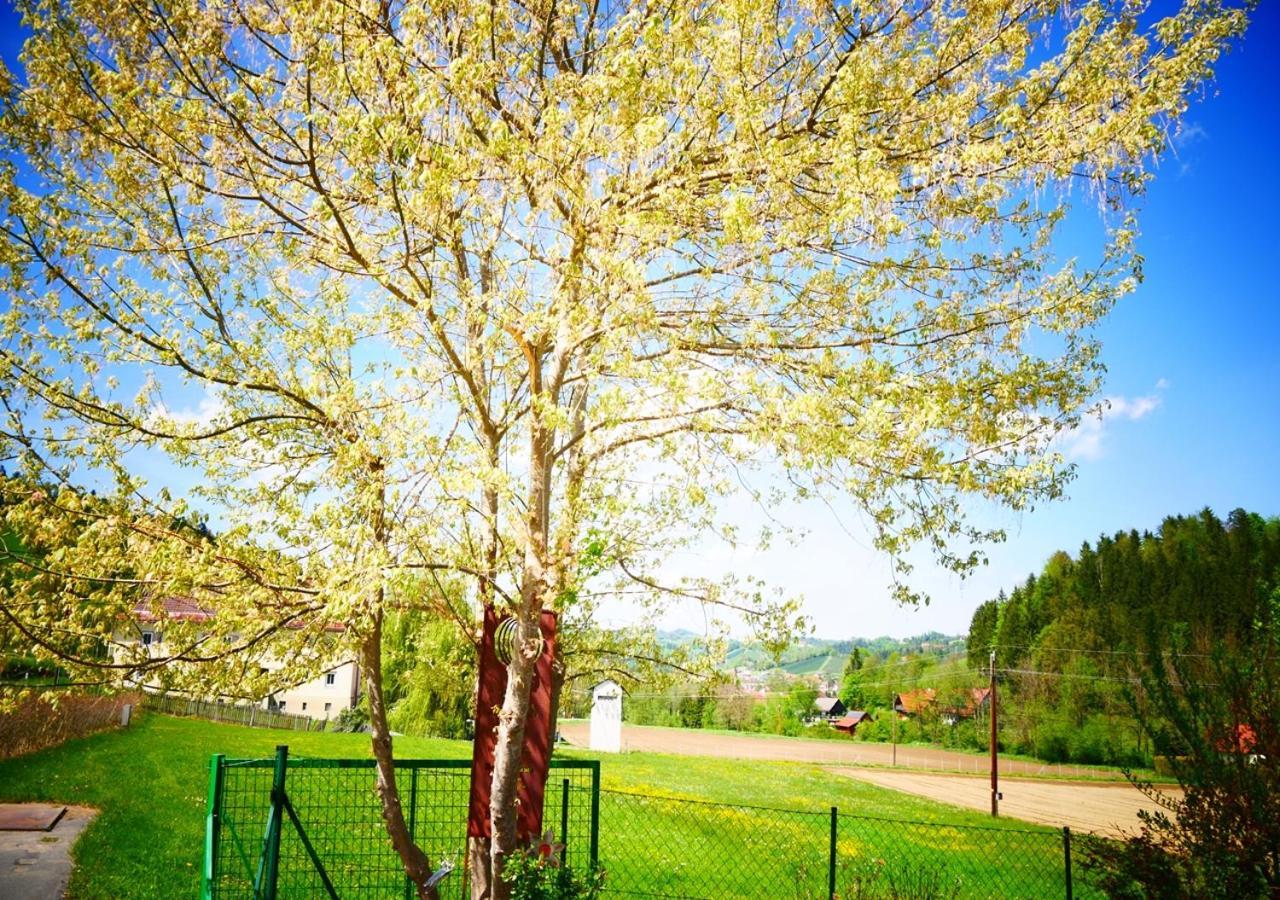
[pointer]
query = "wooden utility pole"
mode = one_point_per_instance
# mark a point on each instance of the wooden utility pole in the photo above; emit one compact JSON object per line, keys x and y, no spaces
{"x":894,"y":712}
{"x":995,"y":759}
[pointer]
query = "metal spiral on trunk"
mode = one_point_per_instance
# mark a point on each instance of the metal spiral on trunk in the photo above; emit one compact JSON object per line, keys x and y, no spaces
{"x":506,"y":637}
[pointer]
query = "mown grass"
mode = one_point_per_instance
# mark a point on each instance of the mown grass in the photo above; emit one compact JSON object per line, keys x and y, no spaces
{"x":150,"y":784}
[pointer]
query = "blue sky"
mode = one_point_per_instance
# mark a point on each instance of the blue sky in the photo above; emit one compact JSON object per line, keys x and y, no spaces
{"x":1194,"y":370}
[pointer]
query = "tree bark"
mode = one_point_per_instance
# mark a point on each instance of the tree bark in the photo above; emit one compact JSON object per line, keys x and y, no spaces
{"x":503,"y":809}
{"x":415,"y":862}
{"x":533,"y":593}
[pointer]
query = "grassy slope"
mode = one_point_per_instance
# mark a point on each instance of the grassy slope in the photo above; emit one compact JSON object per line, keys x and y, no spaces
{"x":149,"y":782}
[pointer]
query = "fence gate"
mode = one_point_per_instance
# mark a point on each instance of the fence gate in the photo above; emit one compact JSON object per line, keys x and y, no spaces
{"x":281,"y":827}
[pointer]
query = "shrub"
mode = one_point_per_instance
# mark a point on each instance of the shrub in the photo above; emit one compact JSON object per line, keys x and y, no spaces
{"x":1217,"y":726}
{"x":31,"y":721}
{"x":352,"y":719}
{"x":534,"y":877}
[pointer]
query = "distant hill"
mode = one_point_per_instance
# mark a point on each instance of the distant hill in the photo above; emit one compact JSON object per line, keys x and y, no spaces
{"x":820,"y":656}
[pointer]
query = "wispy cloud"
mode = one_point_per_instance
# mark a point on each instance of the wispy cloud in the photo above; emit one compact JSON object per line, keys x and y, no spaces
{"x":1086,"y":441}
{"x":208,"y":409}
{"x":1188,"y":135}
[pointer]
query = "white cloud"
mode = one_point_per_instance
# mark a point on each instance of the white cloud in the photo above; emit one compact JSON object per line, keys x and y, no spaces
{"x":208,"y":409}
{"x":1085,"y":441}
{"x":1189,"y":133}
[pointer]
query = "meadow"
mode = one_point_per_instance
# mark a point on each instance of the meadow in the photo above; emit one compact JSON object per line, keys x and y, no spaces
{"x":673,"y":825}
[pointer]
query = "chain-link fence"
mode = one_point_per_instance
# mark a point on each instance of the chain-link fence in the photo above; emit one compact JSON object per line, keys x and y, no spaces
{"x":301,"y":828}
{"x":667,"y":847}
{"x":313,"y":828}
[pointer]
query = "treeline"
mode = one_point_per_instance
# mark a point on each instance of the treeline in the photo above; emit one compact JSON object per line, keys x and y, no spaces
{"x":1067,"y":640}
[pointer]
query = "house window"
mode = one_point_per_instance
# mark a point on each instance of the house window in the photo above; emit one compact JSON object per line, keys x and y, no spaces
{"x":282,"y":706}
{"x":148,"y":638}
{"x":328,"y":706}
{"x":331,"y":678}
{"x":304,"y":706}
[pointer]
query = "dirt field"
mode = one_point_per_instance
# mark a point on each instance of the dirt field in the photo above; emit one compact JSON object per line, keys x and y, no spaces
{"x":1099,"y":808}
{"x":843,"y":752}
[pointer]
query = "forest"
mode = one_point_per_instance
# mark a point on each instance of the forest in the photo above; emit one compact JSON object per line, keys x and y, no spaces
{"x":1070,"y":641}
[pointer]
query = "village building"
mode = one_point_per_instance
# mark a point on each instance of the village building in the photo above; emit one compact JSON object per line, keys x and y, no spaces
{"x":849,"y":722}
{"x":977,"y":701}
{"x":336,"y":687}
{"x":828,"y":708}
{"x":913,"y":703}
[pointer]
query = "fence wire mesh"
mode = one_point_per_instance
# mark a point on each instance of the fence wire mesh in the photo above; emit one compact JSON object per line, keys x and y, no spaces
{"x":669,"y":847}
{"x":339,"y":813}
{"x":647,"y":845}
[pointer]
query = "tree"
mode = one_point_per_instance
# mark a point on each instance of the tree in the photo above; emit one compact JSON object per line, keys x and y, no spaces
{"x":517,"y":293}
{"x":851,"y":692}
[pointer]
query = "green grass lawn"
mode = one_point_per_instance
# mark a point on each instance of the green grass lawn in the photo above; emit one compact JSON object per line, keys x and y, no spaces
{"x":150,"y":782}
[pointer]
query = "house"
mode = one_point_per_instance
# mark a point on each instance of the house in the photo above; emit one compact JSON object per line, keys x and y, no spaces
{"x":975,"y":701}
{"x":1241,"y":740}
{"x":334,"y":689}
{"x":829,"y":708}
{"x":912,"y":703}
{"x":851,"y":720}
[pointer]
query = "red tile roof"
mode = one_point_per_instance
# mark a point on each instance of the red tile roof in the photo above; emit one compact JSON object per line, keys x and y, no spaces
{"x":184,"y":609}
{"x":912,"y":702}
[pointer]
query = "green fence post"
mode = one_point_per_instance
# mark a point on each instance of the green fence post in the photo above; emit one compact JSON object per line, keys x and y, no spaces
{"x":413,"y":823}
{"x":212,"y":825}
{"x":831,"y":857}
{"x":564,"y":813}
{"x":271,"y":852}
{"x":1066,"y":856}
{"x":595,"y":812}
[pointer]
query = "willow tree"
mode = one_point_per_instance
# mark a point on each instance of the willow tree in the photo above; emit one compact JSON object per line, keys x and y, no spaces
{"x":516,"y":292}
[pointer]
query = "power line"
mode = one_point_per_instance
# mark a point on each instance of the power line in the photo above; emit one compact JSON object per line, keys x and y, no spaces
{"x":1130,"y":653}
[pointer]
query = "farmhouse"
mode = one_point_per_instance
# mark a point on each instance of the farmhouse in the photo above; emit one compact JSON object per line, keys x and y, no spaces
{"x":849,"y":722}
{"x":829,"y":708}
{"x":912,"y":703}
{"x":332,"y":690}
{"x":976,"y":700}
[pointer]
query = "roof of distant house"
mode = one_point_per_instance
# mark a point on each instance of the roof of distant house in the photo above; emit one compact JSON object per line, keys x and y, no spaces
{"x":185,"y":609}
{"x":975,"y":699}
{"x":826,"y":704}
{"x":181,"y":609}
{"x":914,"y":701}
{"x":1246,"y":739}
{"x":854,"y":717}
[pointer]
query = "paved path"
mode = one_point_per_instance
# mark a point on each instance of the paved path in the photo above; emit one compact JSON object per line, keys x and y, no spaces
{"x":36,"y":865}
{"x":694,"y":742}
{"x":1106,"y":809}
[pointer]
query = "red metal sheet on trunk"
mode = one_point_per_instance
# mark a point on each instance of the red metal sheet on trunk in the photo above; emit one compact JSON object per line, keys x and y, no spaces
{"x":536,"y":751}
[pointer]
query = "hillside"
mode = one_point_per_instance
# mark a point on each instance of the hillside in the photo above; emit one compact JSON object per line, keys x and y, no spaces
{"x":1071,"y":639}
{"x":820,"y":656}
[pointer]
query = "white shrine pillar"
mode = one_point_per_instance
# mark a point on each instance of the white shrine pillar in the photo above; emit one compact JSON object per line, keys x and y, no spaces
{"x":606,"y":717}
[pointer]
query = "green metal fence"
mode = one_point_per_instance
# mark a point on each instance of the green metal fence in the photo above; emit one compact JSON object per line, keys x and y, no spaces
{"x":313,"y":828}
{"x":297,"y":828}
{"x":667,"y":847}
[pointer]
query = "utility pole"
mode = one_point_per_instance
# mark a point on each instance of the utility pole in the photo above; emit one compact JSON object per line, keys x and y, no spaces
{"x":894,"y":712}
{"x":995,"y":759}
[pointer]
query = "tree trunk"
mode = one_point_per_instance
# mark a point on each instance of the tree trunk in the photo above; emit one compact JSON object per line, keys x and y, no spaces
{"x":415,"y":862}
{"x":533,"y":593}
{"x":508,"y":752}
